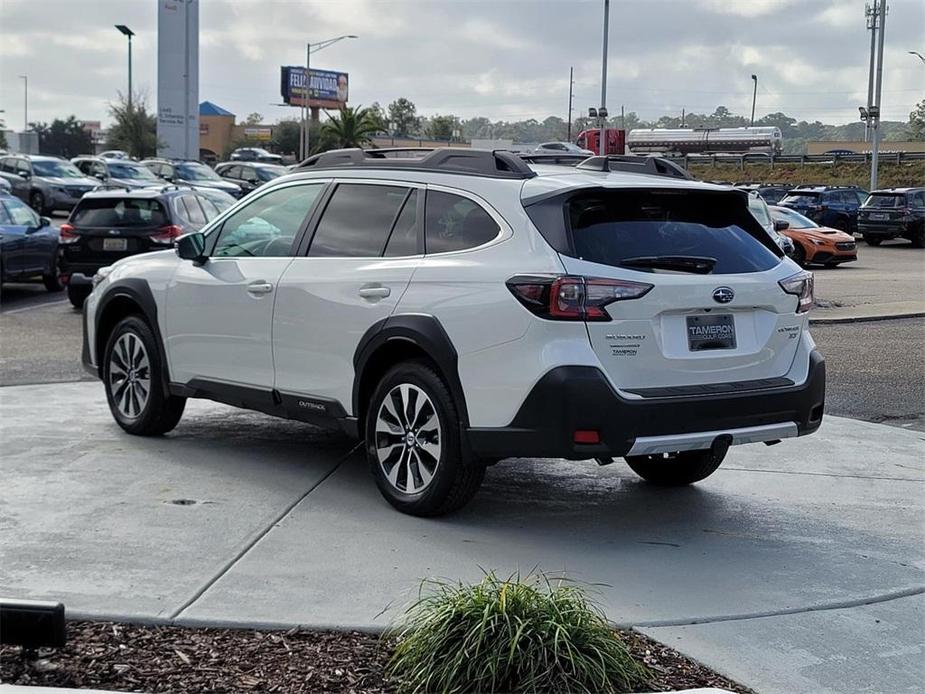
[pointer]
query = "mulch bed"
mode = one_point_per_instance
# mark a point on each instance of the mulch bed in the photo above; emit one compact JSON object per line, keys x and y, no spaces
{"x":125,"y":657}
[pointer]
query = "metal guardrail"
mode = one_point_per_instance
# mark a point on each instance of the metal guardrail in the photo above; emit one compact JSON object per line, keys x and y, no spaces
{"x":802,"y":159}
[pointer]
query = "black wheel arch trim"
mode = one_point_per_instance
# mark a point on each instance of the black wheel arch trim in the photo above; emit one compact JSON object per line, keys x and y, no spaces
{"x":424,"y":332}
{"x":138,"y":292}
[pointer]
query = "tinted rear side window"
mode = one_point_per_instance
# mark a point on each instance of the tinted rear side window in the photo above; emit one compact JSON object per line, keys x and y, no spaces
{"x":404,"y":237}
{"x":357,"y":221}
{"x":801,"y":198}
{"x":455,"y":223}
{"x":613,"y":227}
{"x":114,"y":212}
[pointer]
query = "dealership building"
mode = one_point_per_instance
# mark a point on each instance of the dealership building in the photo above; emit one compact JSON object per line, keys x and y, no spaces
{"x":218,"y":132}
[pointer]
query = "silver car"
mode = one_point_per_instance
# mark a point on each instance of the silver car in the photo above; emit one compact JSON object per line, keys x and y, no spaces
{"x":561,"y":148}
{"x":45,"y":183}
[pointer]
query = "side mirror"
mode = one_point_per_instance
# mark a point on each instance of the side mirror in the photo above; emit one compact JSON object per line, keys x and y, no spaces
{"x":25,"y":175}
{"x":780,"y":225}
{"x":167,"y":177}
{"x":44,"y":222}
{"x":192,"y":247}
{"x":100,"y":176}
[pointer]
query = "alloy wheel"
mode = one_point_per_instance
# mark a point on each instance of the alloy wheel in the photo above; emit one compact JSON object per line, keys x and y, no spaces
{"x":129,"y":375}
{"x":408,"y":438}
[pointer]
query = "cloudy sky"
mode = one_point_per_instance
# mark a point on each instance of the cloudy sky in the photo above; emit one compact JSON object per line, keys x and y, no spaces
{"x":504,"y":59}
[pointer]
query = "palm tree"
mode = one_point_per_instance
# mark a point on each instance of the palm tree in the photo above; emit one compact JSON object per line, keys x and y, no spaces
{"x":352,"y":128}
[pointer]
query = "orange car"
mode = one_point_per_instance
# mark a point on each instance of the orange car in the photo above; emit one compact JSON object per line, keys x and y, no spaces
{"x":813,"y":244}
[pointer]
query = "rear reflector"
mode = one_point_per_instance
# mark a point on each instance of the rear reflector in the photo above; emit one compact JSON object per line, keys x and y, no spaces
{"x":167,"y":234}
{"x":587,"y":436}
{"x":573,"y":298}
{"x":801,"y":286}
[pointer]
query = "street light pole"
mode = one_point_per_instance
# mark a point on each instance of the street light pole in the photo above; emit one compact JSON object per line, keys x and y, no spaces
{"x":920,"y":56}
{"x":25,"y":79}
{"x":304,"y":139}
{"x":571,"y":83}
{"x":875,"y":143}
{"x":129,"y":34}
{"x":754,"y":98}
{"x":602,"y":149}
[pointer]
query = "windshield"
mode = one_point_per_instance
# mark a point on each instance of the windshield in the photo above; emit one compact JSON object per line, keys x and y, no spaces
{"x":122,"y":170}
{"x":883,"y":201}
{"x":268,"y":173}
{"x":759,"y":208}
{"x":119,"y":212}
{"x":196,"y":172}
{"x":643,"y":229}
{"x":55,"y":169}
{"x":793,"y":218}
{"x":801,"y":199}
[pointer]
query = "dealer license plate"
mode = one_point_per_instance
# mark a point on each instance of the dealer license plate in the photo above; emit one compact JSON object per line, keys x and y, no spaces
{"x":115,"y":244}
{"x":879,"y":216}
{"x":711,"y":332}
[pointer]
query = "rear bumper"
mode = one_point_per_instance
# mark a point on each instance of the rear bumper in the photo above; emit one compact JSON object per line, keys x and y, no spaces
{"x":889,"y":230}
{"x":572,"y":398}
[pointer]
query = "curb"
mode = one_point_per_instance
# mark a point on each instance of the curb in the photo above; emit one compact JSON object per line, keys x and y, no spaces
{"x":870,"y":318}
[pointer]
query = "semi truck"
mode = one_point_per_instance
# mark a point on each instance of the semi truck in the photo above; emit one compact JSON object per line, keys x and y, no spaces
{"x":704,"y":140}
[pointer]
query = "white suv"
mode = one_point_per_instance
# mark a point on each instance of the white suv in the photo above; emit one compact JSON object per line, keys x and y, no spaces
{"x":462,"y":307}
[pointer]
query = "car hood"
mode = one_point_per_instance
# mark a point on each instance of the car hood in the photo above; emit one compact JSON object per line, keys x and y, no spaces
{"x":227,"y":186}
{"x":71,"y":182}
{"x":822,"y":234}
{"x":135,"y":182}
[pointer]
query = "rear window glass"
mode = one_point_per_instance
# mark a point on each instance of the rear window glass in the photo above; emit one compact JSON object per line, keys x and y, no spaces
{"x":885,"y":201}
{"x":633,"y":229}
{"x":113,"y":212}
{"x":801,"y":198}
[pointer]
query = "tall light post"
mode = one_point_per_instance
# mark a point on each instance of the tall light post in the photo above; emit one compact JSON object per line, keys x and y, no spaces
{"x":306,"y":89}
{"x":128,"y":33}
{"x":602,"y":111}
{"x":754,"y":98}
{"x":25,"y":79}
{"x":920,"y":56}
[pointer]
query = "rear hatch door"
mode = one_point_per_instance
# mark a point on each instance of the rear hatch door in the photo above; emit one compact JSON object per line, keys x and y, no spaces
{"x":715,"y":314}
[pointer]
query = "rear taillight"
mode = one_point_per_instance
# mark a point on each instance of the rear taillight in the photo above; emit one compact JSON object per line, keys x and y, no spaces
{"x":66,"y":234}
{"x":570,"y":297}
{"x":801,"y":286}
{"x":167,"y":234}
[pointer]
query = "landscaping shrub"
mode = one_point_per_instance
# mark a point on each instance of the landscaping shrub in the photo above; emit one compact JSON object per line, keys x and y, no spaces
{"x":509,"y":635}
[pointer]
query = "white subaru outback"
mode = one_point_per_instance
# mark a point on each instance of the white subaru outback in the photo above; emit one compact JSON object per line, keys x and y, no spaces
{"x":467,"y":306}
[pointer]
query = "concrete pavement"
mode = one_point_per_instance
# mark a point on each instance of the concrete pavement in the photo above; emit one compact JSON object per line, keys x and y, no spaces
{"x":240,"y":519}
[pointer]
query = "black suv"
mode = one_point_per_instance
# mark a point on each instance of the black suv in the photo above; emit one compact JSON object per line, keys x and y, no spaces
{"x":191,"y":173}
{"x":893,"y":213}
{"x":107,"y":225}
{"x":249,"y":175}
{"x":829,"y":206}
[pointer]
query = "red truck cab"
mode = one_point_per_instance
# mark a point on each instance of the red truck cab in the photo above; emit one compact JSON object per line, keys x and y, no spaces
{"x":590,"y":139}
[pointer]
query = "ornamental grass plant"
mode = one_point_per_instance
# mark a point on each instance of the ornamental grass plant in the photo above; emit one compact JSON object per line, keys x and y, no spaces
{"x":531,"y":634}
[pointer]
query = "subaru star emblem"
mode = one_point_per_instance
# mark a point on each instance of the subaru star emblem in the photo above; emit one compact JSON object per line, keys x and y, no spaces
{"x":113,"y":232}
{"x":723,"y":295}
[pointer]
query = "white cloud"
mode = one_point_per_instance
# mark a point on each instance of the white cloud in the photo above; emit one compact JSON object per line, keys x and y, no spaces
{"x":746,"y":8}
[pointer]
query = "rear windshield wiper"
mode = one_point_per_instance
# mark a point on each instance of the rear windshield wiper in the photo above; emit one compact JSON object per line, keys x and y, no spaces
{"x":700,"y":265}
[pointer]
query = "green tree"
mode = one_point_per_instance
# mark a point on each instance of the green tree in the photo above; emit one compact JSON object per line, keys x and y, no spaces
{"x":917,"y":121}
{"x":441,"y":127}
{"x":286,"y":137}
{"x":352,"y":127}
{"x":134,"y":129}
{"x":381,"y":117}
{"x":254,"y":119}
{"x":3,"y":144}
{"x":403,"y":119}
{"x":63,"y":138}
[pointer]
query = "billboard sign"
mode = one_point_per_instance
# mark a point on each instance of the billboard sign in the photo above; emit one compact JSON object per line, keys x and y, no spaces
{"x":178,"y":78}
{"x":263,"y":134}
{"x":327,"y":88}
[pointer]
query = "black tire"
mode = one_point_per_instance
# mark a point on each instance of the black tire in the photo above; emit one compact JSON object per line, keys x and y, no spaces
{"x":675,"y":469}
{"x":799,"y":255}
{"x":51,"y":281}
{"x":918,"y":239}
{"x":872,"y":240}
{"x":153,"y":412}
{"x":37,"y":202}
{"x":454,"y":479}
{"x":77,"y":294}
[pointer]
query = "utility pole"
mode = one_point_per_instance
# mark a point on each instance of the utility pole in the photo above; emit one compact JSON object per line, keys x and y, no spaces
{"x":873,"y":110}
{"x":25,"y":127}
{"x":571,"y":84}
{"x":683,"y":114}
{"x":754,"y":97}
{"x":602,"y":112}
{"x":871,"y":14}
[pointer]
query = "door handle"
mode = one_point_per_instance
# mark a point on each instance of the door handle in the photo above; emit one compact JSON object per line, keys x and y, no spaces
{"x":259,"y":287}
{"x":375,"y":292}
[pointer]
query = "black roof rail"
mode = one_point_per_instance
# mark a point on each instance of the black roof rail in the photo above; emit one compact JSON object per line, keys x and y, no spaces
{"x":652,"y":166}
{"x":457,"y":160}
{"x":177,"y":186}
